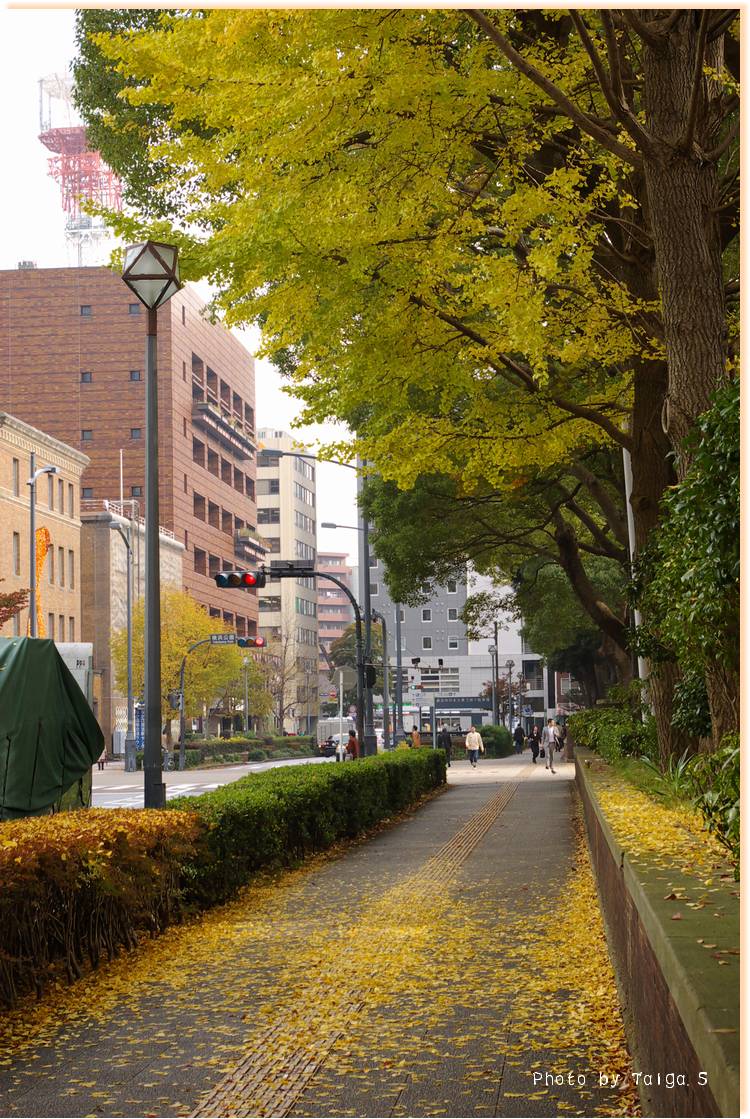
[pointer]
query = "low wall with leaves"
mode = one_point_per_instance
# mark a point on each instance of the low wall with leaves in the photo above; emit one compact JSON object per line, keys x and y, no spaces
{"x":80,"y":886}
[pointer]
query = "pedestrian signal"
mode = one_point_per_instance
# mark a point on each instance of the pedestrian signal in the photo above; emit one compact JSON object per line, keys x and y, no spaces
{"x":251,"y":642}
{"x":241,"y":579}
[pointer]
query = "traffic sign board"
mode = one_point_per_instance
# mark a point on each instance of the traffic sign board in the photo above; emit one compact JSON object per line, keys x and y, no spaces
{"x":223,"y":638}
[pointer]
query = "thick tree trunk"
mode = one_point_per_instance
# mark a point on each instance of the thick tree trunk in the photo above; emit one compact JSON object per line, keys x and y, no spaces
{"x":683,"y":200}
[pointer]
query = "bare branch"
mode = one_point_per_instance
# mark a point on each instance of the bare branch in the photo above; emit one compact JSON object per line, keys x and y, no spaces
{"x":615,"y":101}
{"x":722,"y":23}
{"x":727,"y":142}
{"x":700,"y":51}
{"x":655,"y":39}
{"x":613,"y":54}
{"x":587,"y":124}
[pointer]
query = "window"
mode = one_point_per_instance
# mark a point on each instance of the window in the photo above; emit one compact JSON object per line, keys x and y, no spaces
{"x":228,"y":618}
{"x":239,"y":481}
{"x":71,"y":629}
{"x":426,"y":588}
{"x":184,"y":371}
{"x":213,"y":514}
{"x":16,"y":477}
{"x":87,"y":492}
{"x":61,"y":566}
{"x":183,"y":314}
{"x":86,"y":378}
{"x":451,"y":586}
{"x":71,"y":500}
{"x":134,"y":308}
{"x":61,"y":625}
{"x":51,"y":626}
{"x":199,"y":561}
{"x":87,"y":435}
{"x":86,"y":310}
{"x":227,"y":520}
{"x":214,"y":565}
{"x":51,"y":565}
{"x":427,"y":615}
{"x":135,"y":433}
{"x":199,"y":452}
{"x":452,"y":614}
{"x":273,"y":543}
{"x":226,"y":471}
{"x":268,"y":517}
{"x":184,"y":428}
{"x":71,"y":569}
{"x":50,"y":491}
{"x":136,"y":491}
{"x":135,"y":374}
{"x":16,"y":553}
{"x":199,"y":506}
{"x":268,"y":485}
{"x":184,"y":483}
{"x":373,"y":561}
{"x":401,"y":614}
{"x":249,"y":488}
{"x":16,"y":625}
{"x":374,"y":589}
{"x":426,"y":642}
{"x":452,"y":642}
{"x":60,"y":495}
{"x":212,"y":463}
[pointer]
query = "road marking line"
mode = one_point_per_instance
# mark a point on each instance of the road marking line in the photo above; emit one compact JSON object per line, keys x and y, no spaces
{"x":278,"y":1066}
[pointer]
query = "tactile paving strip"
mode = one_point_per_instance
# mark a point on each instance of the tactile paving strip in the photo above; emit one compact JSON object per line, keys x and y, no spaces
{"x":280,"y":1063}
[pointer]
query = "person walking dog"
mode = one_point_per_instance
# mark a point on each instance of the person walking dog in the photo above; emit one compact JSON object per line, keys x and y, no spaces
{"x":474,"y":746}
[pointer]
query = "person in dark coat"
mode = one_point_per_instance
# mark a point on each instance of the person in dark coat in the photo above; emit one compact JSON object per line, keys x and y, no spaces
{"x":445,"y":742}
{"x":518,"y":738}
{"x":534,"y":743}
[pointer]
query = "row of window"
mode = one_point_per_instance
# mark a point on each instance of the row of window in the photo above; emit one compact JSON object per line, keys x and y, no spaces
{"x":307,"y":497}
{"x":210,"y":388}
{"x":304,"y":551}
{"x":301,"y":520}
{"x":222,"y":468}
{"x":87,"y":434}
{"x":87,"y":377}
{"x":305,"y":606}
{"x":56,"y":487}
{"x":244,"y":627}
{"x":87,"y":310}
{"x":305,"y":468}
{"x":87,"y":492}
{"x":56,"y":633}
{"x":61,"y":568}
{"x":216,"y":515}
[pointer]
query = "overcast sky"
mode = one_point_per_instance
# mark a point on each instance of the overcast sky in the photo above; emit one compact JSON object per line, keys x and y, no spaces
{"x":38,"y":42}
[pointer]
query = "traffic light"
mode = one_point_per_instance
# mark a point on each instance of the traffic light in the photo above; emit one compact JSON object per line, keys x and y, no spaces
{"x":251,"y":642}
{"x":241,"y":579}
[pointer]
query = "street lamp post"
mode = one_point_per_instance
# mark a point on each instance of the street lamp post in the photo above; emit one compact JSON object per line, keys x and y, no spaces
{"x":246,"y":665}
{"x":33,"y":475}
{"x":376,"y":615}
{"x":399,"y":734}
{"x":510,"y":665}
{"x":152,"y":274}
{"x":493,"y":664}
{"x":130,"y":733}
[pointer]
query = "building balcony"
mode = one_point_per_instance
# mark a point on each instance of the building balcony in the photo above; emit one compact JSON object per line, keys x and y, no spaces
{"x":248,"y":545}
{"x":232,"y":433}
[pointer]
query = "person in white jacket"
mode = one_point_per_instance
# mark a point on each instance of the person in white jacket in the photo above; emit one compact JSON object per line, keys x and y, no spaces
{"x":474,"y":745}
{"x":550,"y":744}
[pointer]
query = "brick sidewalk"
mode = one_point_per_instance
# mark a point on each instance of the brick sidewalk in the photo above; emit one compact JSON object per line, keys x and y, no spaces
{"x":350,"y":987}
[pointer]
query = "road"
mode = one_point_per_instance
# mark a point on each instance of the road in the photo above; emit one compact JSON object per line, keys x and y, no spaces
{"x":113,"y":788}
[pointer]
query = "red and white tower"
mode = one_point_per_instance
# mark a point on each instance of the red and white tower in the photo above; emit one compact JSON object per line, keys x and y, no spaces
{"x":80,"y":172}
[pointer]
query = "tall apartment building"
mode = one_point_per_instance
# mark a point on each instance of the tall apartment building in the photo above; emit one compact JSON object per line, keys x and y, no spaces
{"x":289,"y":607}
{"x":57,"y":510}
{"x":72,"y":343}
{"x":335,"y":611}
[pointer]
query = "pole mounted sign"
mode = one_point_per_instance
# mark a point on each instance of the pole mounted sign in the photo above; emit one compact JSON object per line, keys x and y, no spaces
{"x":464,"y":702}
{"x":223,"y":638}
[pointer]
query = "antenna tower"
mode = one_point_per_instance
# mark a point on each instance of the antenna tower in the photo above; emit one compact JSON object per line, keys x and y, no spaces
{"x":80,"y":172}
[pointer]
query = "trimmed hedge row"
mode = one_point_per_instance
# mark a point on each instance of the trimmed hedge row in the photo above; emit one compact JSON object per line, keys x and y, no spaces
{"x":82,"y":884}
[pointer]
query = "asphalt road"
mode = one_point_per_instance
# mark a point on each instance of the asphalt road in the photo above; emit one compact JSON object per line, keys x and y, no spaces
{"x":113,"y":788}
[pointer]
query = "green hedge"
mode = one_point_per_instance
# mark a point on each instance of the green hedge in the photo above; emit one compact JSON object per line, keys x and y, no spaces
{"x":497,"y":740}
{"x":277,"y":817}
{"x":83,"y":884}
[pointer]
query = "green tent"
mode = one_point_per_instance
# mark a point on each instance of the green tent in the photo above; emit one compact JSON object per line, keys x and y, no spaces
{"x":49,"y":737}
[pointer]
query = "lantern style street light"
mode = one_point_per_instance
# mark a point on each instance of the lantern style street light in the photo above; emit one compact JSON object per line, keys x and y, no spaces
{"x":35,"y":474}
{"x":152,"y":274}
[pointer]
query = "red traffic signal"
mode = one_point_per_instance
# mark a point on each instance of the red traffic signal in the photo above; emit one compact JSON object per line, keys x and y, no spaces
{"x":251,"y":642}
{"x":241,"y":579}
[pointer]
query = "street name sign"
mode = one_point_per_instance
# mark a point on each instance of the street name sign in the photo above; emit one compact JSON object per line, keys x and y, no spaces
{"x":223,"y":638}
{"x":463,"y":702}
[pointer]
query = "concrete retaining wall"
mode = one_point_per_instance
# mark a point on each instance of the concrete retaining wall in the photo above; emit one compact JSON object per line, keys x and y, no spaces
{"x":681,"y":1010}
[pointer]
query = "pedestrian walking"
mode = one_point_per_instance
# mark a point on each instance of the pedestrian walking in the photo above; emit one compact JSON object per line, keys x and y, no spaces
{"x":445,"y":742}
{"x":474,"y":746}
{"x":102,"y":759}
{"x":534,"y":743}
{"x":416,"y":737}
{"x":549,"y":743}
{"x":352,"y":746}
{"x":518,"y":738}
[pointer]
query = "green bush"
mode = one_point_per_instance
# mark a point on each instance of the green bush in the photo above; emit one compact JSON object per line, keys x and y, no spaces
{"x":623,"y":727}
{"x":716,"y":788}
{"x":498,"y":742}
{"x":256,"y":754}
{"x":277,"y":817}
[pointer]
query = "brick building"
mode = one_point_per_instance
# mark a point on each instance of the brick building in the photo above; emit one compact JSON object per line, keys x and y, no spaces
{"x":72,"y":344}
{"x":57,"y":510}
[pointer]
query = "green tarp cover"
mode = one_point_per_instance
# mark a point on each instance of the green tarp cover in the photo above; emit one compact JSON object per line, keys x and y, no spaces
{"x":48,"y":734}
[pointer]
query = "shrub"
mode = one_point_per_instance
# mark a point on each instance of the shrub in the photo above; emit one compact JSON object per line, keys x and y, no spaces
{"x":622,"y":727}
{"x":256,"y":754}
{"x":716,"y":788}
{"x":84,"y":883}
{"x":497,"y":740}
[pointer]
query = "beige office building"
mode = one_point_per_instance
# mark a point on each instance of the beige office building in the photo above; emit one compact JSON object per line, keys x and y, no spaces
{"x":57,"y":510}
{"x":288,"y":609}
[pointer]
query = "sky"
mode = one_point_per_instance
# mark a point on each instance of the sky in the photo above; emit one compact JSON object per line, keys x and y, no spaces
{"x":35,"y":43}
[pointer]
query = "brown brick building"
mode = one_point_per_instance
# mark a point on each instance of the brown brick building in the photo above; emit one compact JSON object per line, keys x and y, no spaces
{"x":72,"y":344}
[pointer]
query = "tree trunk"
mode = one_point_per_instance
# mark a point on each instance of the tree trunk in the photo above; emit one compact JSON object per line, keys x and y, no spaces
{"x":723,"y":687}
{"x":683,"y":200}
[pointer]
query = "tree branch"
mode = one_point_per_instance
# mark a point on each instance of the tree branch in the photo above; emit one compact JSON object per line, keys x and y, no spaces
{"x":731,"y":136}
{"x":656,"y":39}
{"x":608,"y":547}
{"x":616,"y":103}
{"x":604,"y":501}
{"x":722,"y":24}
{"x":588,"y":125}
{"x":686,"y":143}
{"x":613,"y":54}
